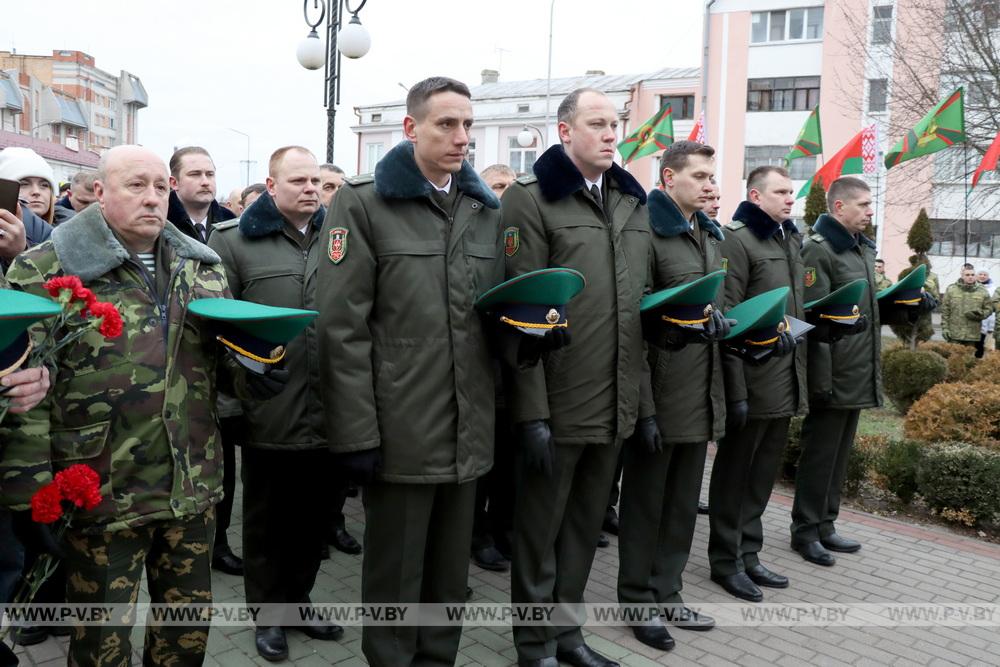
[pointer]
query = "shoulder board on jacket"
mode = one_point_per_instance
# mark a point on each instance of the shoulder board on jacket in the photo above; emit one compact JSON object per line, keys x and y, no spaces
{"x":817,"y":238}
{"x":527,"y":179}
{"x":361,"y":179}
{"x":736,"y":224}
{"x":223,"y":226}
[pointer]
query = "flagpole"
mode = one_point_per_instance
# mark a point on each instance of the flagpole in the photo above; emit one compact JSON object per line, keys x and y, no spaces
{"x":965,"y":182}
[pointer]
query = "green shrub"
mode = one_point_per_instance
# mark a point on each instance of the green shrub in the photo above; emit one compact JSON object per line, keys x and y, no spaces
{"x":908,"y":374}
{"x":897,"y":467}
{"x":960,"y":359}
{"x":986,"y":370}
{"x":861,"y":461}
{"x":957,"y":412}
{"x":961,"y":482}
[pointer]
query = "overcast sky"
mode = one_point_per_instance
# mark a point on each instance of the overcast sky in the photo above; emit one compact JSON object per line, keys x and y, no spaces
{"x":211,"y":65}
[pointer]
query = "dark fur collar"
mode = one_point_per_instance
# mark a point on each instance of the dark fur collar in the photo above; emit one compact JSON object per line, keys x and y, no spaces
{"x":263,"y":217}
{"x":86,"y":246}
{"x":558,"y":177}
{"x":398,"y":177}
{"x":837,"y":236}
{"x":760,"y":223}
{"x":178,"y":215}
{"x":667,"y":220}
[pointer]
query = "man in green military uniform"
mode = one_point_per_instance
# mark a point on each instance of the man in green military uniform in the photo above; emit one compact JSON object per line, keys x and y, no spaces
{"x":881,"y":280}
{"x":965,"y":305}
{"x":270,"y":256}
{"x":406,"y":372}
{"x":844,"y":375}
{"x":762,"y":253}
{"x":138,"y":409}
{"x":573,"y":411}
{"x":660,"y":489}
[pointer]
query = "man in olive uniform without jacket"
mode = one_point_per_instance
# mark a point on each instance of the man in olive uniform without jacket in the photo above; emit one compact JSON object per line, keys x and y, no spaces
{"x":406,"y":368}
{"x":573,"y":411}
{"x":761,"y":252}
{"x":844,"y":376}
{"x":660,"y":488}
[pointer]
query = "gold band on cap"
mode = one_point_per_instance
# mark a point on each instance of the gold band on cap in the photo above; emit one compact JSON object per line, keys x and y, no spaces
{"x":531,"y":325}
{"x":277,"y":354}
{"x":674,"y":320}
{"x":783,"y":326}
{"x":909,"y":302}
{"x":17,"y":364}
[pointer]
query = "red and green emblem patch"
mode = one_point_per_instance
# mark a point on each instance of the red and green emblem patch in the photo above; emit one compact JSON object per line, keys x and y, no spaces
{"x":810,"y":276}
{"x":338,"y":244}
{"x":511,"y":241}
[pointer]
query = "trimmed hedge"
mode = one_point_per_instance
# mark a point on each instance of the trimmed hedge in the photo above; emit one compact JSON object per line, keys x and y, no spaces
{"x":961,"y":482}
{"x":908,"y":374}
{"x":960,"y":359}
{"x":897,"y":467}
{"x":987,"y":369}
{"x":957,"y":412}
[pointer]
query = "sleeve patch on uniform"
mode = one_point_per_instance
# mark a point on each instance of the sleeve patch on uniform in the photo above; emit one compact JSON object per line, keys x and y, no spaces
{"x":511,"y":241}
{"x":810,"y":276}
{"x":725,"y":263}
{"x":338,"y":244}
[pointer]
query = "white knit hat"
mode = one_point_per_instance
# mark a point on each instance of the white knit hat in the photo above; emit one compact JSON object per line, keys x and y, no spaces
{"x":17,"y":163}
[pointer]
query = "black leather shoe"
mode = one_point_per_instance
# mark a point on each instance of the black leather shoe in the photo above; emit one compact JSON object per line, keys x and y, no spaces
{"x":739,"y":585}
{"x":686,"y":618}
{"x":29,"y":635}
{"x":584,"y":656}
{"x":815,"y":553}
{"x":226,"y":561}
{"x":272,"y":645}
{"x":602,"y":542}
{"x":702,"y":508}
{"x":654,"y":636}
{"x":762,"y":576}
{"x":538,"y":662}
{"x":610,"y":521}
{"x":321,"y":630}
{"x":489,"y":558}
{"x":844,"y":545}
{"x":344,"y":541}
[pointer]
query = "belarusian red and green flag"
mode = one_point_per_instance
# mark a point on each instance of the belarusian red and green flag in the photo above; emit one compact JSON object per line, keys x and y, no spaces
{"x":989,"y":162}
{"x":810,"y":140}
{"x":944,"y":126}
{"x":654,"y":135}
{"x":857,"y":157}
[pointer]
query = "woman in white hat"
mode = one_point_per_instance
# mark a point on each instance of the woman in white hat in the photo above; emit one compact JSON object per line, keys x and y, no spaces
{"x":30,"y":224}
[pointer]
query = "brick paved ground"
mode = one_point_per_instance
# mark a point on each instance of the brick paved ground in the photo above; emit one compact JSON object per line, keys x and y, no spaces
{"x":899,"y":563}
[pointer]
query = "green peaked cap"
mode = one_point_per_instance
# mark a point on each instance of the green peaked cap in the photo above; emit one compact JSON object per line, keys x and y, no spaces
{"x":764,"y":311}
{"x":269,"y":323}
{"x":847,"y":295}
{"x":907,"y":290}
{"x":544,"y":287}
{"x":700,"y":292}
{"x":18,"y":311}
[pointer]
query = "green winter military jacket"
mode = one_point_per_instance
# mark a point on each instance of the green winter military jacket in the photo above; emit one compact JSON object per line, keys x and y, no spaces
{"x":139,"y":408}
{"x":406,"y":364}
{"x":846,"y":374}
{"x":963,"y":310}
{"x":688,"y":388}
{"x":761,"y":255}
{"x":589,"y":390}
{"x":267,"y":261}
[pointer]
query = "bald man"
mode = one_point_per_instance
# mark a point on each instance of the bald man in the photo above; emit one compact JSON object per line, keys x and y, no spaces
{"x":235,"y":201}
{"x":136,"y":408}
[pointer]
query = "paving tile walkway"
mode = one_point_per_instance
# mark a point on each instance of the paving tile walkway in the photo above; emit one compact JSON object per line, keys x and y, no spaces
{"x":900,"y":563}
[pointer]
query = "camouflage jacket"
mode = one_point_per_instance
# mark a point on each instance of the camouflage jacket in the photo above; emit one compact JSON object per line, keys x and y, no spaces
{"x":963,"y":310}
{"x":137,"y":408}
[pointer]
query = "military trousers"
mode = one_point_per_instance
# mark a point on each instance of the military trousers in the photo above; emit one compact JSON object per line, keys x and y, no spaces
{"x":743,"y":474}
{"x":494,"y":515}
{"x":107,"y":567}
{"x":827,"y":438}
{"x":417,"y":539}
{"x":557,"y":520}
{"x":285,"y":497}
{"x":659,"y":510}
{"x":233,"y":433}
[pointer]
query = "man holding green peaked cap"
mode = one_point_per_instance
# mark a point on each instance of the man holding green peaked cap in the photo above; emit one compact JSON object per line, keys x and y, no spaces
{"x":844,"y":375}
{"x":573,"y":411}
{"x":271,"y":255}
{"x":761,"y":253}
{"x":682,"y":323}
{"x":23,"y":387}
{"x":837,"y":314}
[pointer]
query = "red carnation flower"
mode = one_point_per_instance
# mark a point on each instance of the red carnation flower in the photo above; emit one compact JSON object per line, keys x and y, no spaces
{"x":111,"y":319}
{"x":78,"y":293}
{"x":80,"y":485}
{"x":46,"y":504}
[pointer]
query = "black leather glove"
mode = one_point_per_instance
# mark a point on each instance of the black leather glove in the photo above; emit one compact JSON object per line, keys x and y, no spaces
{"x":537,"y":446}
{"x":717,"y":327}
{"x":736,"y":415}
{"x":37,"y":538}
{"x":268,"y":385}
{"x":820,"y":399}
{"x":531,"y":349}
{"x":648,"y":435}
{"x":361,"y":467}
{"x":785,"y":345}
